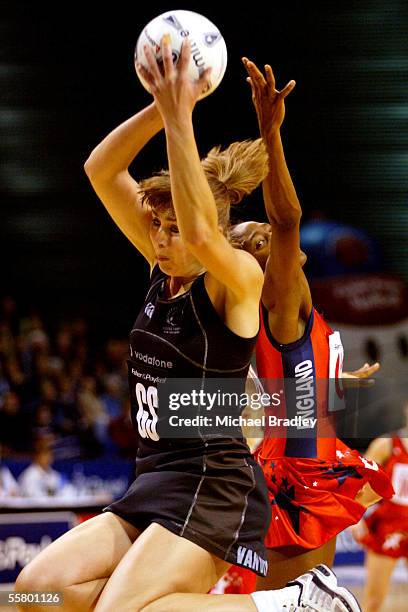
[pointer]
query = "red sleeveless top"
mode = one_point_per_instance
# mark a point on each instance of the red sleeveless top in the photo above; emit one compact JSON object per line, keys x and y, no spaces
{"x":313,"y":365}
{"x":397,"y":469}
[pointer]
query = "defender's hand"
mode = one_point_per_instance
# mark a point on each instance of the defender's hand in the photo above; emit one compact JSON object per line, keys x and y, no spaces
{"x":268,"y":101}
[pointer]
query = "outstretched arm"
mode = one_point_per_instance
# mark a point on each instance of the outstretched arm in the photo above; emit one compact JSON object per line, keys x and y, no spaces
{"x":379,"y":451}
{"x":107,"y":169}
{"x":197,"y":218}
{"x":281,"y":201}
{"x":286,"y":292}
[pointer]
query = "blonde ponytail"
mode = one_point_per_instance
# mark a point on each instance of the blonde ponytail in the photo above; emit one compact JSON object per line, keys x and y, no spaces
{"x":240,"y":168}
{"x":232,"y":173}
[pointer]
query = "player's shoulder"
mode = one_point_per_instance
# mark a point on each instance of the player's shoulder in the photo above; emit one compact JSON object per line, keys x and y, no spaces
{"x":250,"y":277}
{"x":380,"y":449}
{"x":250,"y":263}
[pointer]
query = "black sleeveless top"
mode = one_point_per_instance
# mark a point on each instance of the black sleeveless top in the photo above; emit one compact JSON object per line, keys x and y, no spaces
{"x":181,"y":338}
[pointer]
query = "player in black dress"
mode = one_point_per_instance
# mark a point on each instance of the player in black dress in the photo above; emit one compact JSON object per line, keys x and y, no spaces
{"x":197,"y":504}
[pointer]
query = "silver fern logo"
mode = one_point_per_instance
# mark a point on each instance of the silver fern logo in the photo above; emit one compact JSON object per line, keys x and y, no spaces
{"x":149,"y":310}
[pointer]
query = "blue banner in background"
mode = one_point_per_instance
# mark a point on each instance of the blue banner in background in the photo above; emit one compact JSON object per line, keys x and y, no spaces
{"x":23,"y":536}
{"x":88,"y":477}
{"x":348,"y":551}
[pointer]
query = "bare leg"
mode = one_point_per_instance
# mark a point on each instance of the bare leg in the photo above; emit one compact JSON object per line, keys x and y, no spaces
{"x":283,"y":568}
{"x":80,"y":562}
{"x":367,"y":496}
{"x":164,"y":572}
{"x":379,"y":569}
{"x":182,"y":602}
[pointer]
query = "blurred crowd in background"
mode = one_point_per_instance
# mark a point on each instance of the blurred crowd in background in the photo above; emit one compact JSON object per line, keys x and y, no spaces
{"x":61,"y":389}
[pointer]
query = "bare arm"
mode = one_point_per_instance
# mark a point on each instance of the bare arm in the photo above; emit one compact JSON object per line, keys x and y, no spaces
{"x":379,"y":451}
{"x":107,"y":169}
{"x":197,"y":215}
{"x":193,"y":201}
{"x":286,"y":292}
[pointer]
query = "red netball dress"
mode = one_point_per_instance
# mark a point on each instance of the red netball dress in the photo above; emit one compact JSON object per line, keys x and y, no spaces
{"x":388,"y":524}
{"x":312,"y":477}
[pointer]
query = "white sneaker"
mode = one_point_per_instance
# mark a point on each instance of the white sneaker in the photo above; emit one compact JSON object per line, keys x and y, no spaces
{"x":319,"y":593}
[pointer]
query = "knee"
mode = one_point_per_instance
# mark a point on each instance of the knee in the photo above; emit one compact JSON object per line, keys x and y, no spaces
{"x":29,"y":580}
{"x":34,"y":577}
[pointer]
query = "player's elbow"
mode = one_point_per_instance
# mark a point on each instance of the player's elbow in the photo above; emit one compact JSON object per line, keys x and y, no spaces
{"x":290,"y":220}
{"x":91,"y":168}
{"x":97,"y":168}
{"x":100,"y":176}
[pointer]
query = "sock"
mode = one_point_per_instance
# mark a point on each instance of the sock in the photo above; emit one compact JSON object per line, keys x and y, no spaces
{"x":273,"y":601}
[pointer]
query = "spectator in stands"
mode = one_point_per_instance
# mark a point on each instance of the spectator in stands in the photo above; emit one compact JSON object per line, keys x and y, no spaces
{"x":113,"y":395}
{"x":16,"y":377}
{"x":92,"y":409}
{"x":39,"y":479}
{"x":9,"y":312}
{"x":58,"y":365}
{"x":4,"y":383}
{"x":8,"y":484}
{"x":14,"y":430}
{"x":122,"y":433}
{"x":44,"y":428}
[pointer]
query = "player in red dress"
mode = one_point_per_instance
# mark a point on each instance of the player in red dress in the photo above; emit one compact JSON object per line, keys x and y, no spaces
{"x":317,"y":485}
{"x":385,"y":532}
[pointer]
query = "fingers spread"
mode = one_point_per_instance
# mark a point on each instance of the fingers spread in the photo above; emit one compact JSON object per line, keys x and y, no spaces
{"x":152,"y":63}
{"x":253,"y":71}
{"x":167,"y":55}
{"x":146,"y":75}
{"x":287,"y":89}
{"x":270,"y":78}
{"x":372,"y":369}
{"x":204,"y":82}
{"x":184,"y":60}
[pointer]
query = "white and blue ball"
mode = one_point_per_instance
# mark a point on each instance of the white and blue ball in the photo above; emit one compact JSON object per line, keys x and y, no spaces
{"x":208,"y":48}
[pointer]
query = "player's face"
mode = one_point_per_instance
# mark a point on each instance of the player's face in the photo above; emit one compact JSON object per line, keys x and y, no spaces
{"x":255,"y":238}
{"x":173,"y":257}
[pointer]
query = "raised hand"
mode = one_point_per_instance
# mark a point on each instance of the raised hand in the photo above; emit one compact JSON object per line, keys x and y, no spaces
{"x":364,"y":372}
{"x":268,"y":101}
{"x":360,"y":377}
{"x":173,"y":89}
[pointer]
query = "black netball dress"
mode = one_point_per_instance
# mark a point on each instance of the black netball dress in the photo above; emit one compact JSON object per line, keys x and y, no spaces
{"x":205,"y":488}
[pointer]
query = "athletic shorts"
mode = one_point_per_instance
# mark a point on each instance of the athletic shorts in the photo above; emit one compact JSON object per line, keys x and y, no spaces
{"x":388,"y":530}
{"x":312,"y":500}
{"x":217,"y":500}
